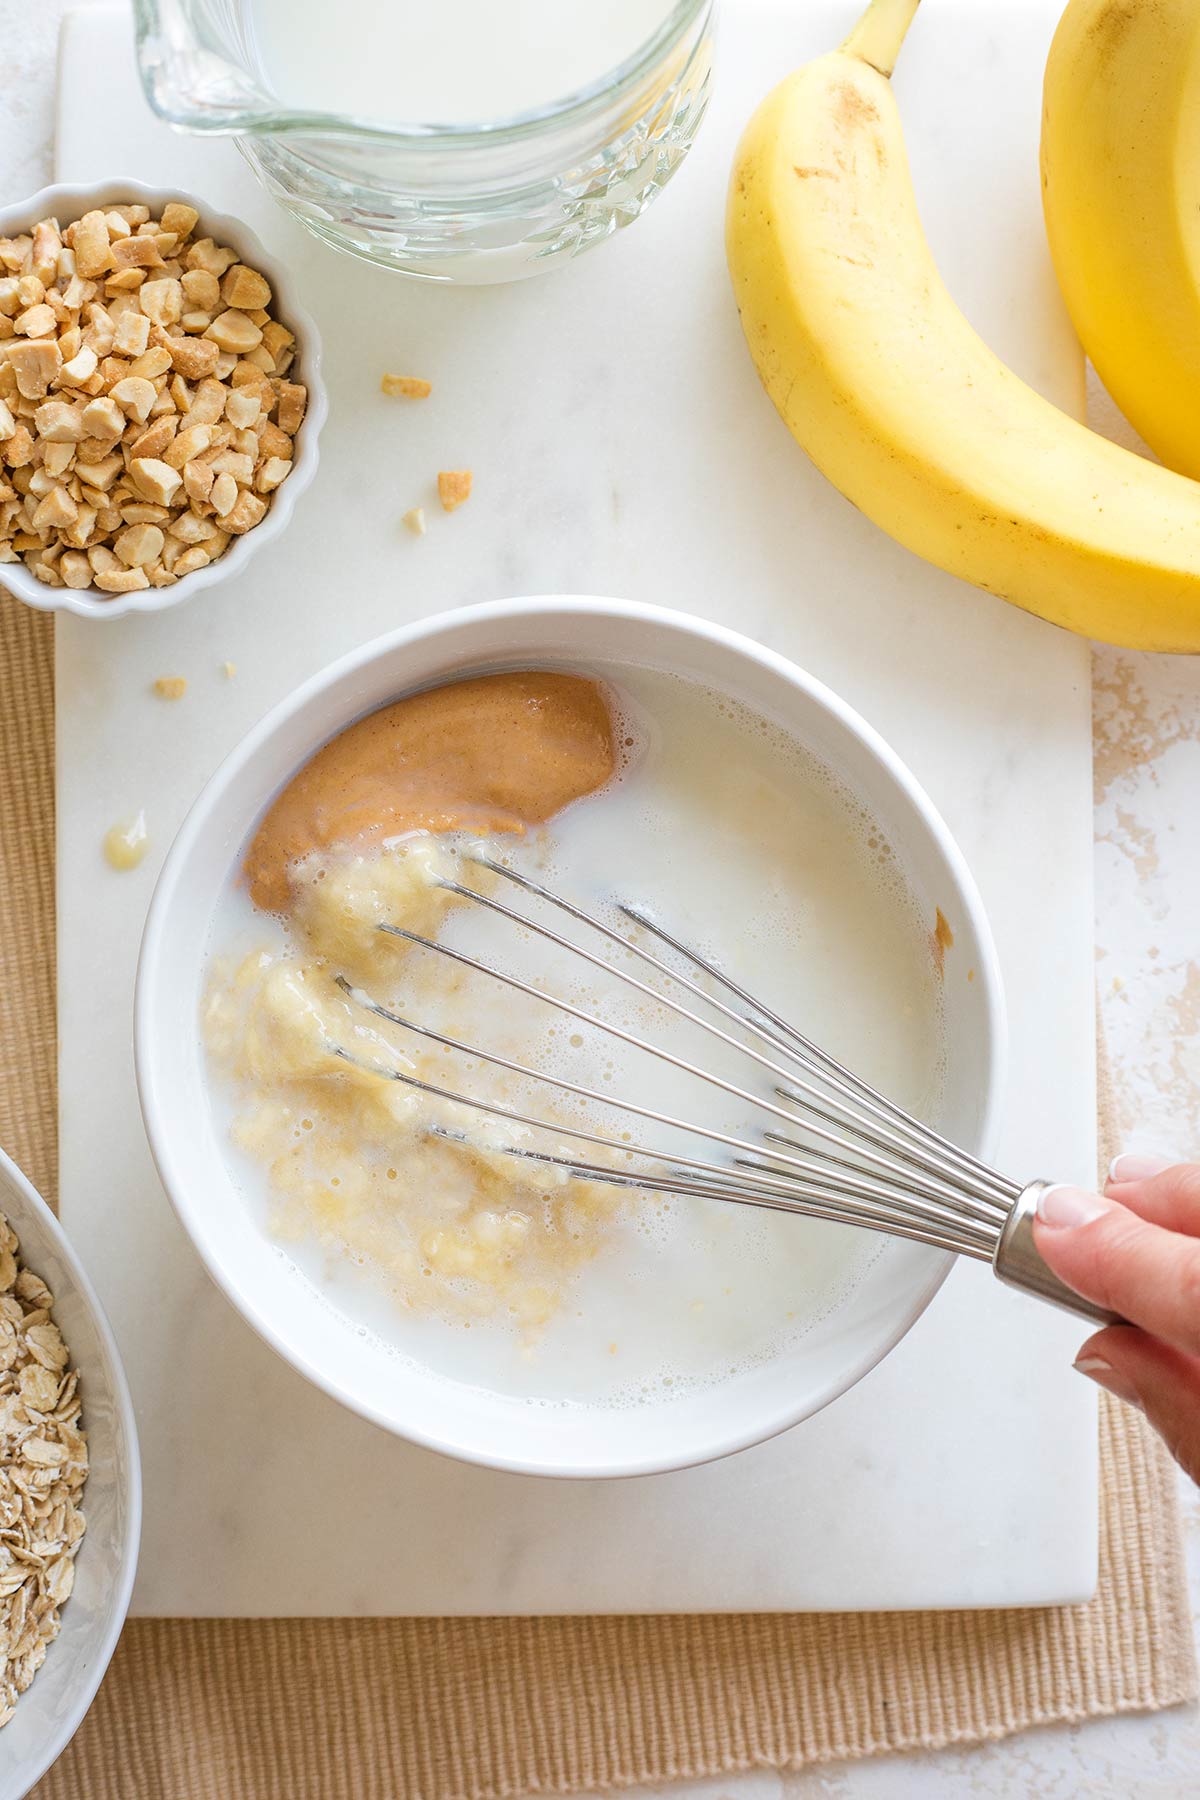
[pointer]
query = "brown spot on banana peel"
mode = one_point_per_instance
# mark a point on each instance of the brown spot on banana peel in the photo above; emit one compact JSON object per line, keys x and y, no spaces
{"x":807,"y":175}
{"x":1111,"y":23}
{"x":851,"y":107}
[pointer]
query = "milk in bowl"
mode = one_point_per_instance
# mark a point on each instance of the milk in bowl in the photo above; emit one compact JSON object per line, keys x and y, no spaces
{"x":454,"y":1236}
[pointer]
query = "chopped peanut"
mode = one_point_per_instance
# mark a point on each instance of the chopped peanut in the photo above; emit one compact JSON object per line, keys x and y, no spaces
{"x":58,"y":508}
{"x":57,"y":458}
{"x":18,"y":448}
{"x":232,"y":330}
{"x":232,"y":462}
{"x":242,"y":408}
{"x":245,"y":514}
{"x":204,"y":254}
{"x":122,"y":581}
{"x":103,"y":419}
{"x":224,"y":493}
{"x":136,"y":253}
{"x":81,"y":367}
{"x":179,"y":218}
{"x":161,"y":301}
{"x":35,"y":366}
{"x":171,"y":687}
{"x":293,"y":400}
{"x":189,"y":442}
{"x":135,"y":396}
{"x":139,"y":545}
{"x":408,"y":387}
{"x":245,"y":288}
{"x":75,"y":569}
{"x":414,"y":518}
{"x":58,"y":422}
{"x":190,"y":528}
{"x":193,"y":358}
{"x":155,"y":440}
{"x":277,"y":339}
{"x":454,"y":487}
{"x":132,"y":333}
{"x":195,"y":558}
{"x":272,"y":471}
{"x":198,"y":479}
{"x":201,"y":290}
{"x":155,"y":479}
{"x":102,"y":474}
{"x":272,"y":441}
{"x":44,"y":251}
{"x":207,"y":403}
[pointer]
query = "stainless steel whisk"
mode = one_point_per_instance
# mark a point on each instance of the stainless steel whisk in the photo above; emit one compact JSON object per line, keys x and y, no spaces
{"x":863,"y":1160}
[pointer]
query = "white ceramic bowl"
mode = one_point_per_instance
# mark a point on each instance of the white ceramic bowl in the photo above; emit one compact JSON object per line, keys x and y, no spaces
{"x":258,"y":1277}
{"x":66,"y":204}
{"x":50,"y":1712}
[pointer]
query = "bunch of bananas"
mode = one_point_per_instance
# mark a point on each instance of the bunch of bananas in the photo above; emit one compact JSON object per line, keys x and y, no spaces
{"x":895,"y":397}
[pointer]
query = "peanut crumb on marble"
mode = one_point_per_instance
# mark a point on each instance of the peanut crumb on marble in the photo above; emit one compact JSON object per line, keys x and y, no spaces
{"x":406,"y":387}
{"x":414,"y":518}
{"x":171,"y":687}
{"x":454,"y":487}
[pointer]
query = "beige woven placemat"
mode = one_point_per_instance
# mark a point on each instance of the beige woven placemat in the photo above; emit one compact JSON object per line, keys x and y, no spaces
{"x":463,"y":1709}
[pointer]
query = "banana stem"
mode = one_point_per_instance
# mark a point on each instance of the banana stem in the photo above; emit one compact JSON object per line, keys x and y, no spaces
{"x":880,"y":32}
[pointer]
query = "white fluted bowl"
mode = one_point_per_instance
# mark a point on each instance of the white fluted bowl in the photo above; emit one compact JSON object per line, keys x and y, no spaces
{"x":66,"y":203}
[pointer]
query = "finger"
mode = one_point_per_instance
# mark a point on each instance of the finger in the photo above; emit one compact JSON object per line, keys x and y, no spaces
{"x":1137,"y":1165}
{"x":1154,"y":1376}
{"x":1141,"y":1272}
{"x":1168,"y":1194}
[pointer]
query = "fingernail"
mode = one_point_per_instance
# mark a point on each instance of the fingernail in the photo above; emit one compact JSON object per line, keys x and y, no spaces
{"x":1103,"y":1373}
{"x":1135,"y":1165}
{"x":1070,"y":1206}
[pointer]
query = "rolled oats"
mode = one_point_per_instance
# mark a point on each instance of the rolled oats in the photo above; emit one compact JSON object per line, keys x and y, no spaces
{"x":43,"y":1468}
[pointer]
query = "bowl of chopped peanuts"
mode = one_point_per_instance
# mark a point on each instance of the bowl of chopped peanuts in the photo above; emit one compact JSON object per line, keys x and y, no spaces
{"x":70,"y":1488}
{"x":160,"y":398}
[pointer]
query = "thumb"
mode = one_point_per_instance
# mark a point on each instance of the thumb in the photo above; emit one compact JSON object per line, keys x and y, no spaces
{"x":1140,"y":1271}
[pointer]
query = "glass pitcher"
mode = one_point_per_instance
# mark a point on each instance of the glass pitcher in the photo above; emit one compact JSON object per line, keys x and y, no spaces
{"x":488,"y":200}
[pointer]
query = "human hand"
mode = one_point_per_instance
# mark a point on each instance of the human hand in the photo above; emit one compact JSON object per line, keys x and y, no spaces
{"x":1136,"y":1251}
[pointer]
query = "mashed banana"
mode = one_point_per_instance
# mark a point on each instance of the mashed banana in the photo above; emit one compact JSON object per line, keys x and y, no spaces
{"x":419,"y":1190}
{"x":356,"y":1160}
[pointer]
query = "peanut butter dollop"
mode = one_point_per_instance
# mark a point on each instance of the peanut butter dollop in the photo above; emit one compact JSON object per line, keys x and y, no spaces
{"x":495,"y":754}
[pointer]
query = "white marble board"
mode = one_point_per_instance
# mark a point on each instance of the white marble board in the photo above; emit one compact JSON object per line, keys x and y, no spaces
{"x":621,"y":445}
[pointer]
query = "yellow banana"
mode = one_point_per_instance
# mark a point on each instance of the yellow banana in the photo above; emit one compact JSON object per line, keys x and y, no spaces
{"x":894,"y":396}
{"x":1121,"y":189}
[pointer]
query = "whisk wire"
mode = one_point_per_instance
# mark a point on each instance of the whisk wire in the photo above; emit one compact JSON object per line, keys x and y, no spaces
{"x":883,"y":1137}
{"x":811,"y":1055}
{"x":862,"y":1159}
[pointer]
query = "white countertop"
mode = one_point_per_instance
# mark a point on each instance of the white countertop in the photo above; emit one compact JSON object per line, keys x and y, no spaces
{"x":1147,"y":869}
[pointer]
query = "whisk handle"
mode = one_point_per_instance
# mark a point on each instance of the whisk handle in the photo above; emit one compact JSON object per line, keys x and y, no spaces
{"x":1019,"y":1262}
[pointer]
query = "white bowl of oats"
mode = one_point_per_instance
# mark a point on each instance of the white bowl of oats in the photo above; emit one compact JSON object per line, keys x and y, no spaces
{"x":160,"y":398}
{"x":70,"y":1488}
